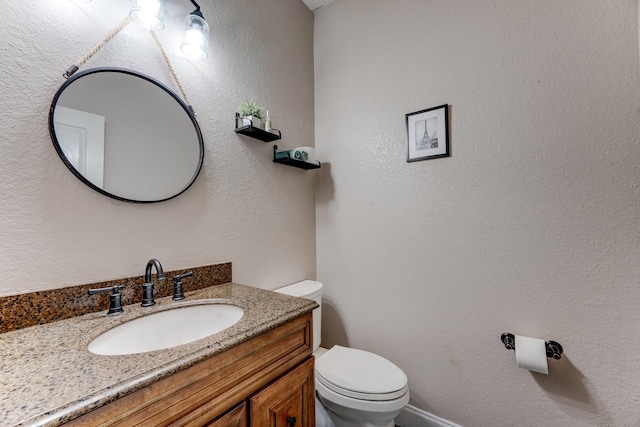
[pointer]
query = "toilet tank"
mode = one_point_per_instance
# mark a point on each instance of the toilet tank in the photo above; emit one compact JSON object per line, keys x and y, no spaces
{"x":309,"y":289}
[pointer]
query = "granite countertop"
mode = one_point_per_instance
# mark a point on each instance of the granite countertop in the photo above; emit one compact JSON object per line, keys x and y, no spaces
{"x":48,"y":377}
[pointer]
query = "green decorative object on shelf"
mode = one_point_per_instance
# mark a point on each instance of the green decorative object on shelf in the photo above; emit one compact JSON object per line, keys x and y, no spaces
{"x":251,"y":113}
{"x":250,"y":108}
{"x":284,"y":154}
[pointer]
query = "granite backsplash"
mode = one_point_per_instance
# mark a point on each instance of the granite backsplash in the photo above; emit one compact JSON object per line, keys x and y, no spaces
{"x":37,"y":308}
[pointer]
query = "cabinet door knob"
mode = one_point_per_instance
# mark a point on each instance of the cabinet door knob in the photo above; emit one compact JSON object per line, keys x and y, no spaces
{"x":291,"y":421}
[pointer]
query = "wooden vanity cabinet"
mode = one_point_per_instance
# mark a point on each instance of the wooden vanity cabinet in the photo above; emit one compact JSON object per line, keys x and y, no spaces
{"x":267,"y":381}
{"x":287,"y":402}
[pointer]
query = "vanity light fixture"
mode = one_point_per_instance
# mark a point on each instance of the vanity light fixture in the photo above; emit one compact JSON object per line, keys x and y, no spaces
{"x":195,"y":43}
{"x":148,"y":13}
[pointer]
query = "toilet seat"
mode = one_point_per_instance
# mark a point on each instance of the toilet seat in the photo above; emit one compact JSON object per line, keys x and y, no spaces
{"x":360,"y":375}
{"x":329,"y":398}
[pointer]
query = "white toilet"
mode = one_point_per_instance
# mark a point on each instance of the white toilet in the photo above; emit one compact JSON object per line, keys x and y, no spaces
{"x":354,"y":388}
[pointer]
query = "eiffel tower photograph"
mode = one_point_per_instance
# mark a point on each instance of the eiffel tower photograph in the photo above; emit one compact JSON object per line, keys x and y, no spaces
{"x":427,"y":134}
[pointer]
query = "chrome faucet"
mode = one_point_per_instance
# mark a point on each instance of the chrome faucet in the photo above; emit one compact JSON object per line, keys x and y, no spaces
{"x":147,"y":287}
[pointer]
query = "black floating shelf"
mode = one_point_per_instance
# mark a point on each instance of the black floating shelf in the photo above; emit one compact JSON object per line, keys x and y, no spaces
{"x":286,"y":160}
{"x":257,"y":133}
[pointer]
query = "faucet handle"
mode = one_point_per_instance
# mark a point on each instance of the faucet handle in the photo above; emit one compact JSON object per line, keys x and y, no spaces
{"x":115,"y":299}
{"x":178,"y":293}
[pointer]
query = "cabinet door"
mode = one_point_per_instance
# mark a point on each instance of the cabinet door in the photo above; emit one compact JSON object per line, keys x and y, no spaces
{"x":287,"y":402}
{"x":237,"y":417}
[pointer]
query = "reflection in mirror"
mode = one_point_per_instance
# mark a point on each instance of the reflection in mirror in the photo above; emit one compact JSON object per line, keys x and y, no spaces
{"x":126,"y":135}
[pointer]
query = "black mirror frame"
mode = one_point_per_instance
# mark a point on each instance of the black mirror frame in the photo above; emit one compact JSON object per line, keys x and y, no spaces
{"x":78,"y":175}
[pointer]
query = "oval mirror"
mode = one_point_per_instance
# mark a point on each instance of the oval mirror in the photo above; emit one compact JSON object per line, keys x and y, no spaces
{"x":126,"y":135}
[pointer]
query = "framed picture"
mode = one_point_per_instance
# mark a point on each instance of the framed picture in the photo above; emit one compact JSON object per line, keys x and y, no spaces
{"x":428,"y":134}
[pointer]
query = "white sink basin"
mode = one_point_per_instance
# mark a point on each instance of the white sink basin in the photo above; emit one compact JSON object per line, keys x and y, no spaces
{"x":167,"y":328}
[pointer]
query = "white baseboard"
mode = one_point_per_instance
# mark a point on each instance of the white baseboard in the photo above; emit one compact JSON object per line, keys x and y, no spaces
{"x":414,"y":417}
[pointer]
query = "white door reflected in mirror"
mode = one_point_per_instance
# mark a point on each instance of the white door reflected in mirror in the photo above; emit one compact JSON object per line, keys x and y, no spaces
{"x":81,"y":137}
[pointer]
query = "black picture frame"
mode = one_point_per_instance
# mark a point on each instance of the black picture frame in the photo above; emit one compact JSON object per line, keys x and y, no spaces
{"x":428,"y":133}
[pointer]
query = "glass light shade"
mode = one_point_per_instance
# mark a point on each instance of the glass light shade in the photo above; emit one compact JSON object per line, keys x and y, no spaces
{"x":195,"y":43}
{"x":148,"y":13}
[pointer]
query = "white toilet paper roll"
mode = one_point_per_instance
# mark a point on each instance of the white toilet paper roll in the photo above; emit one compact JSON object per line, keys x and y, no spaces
{"x":531,"y":354}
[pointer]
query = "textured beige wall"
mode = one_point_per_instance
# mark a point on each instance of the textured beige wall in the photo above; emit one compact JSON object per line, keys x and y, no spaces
{"x":243,"y":208}
{"x":532,"y":226}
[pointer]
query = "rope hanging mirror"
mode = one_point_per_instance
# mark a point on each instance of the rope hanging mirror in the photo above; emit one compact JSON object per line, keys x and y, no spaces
{"x":124,"y":134}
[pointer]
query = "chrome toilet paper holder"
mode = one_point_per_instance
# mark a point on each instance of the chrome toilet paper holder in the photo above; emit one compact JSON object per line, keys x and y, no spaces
{"x":554,"y":349}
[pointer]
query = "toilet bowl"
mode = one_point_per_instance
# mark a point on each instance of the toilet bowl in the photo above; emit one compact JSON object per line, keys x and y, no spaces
{"x":354,"y":388}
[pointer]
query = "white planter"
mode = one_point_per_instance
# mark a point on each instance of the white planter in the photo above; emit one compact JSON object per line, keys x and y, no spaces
{"x":251,"y":120}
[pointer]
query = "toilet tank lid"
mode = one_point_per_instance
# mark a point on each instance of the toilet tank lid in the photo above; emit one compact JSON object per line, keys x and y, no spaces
{"x":304,"y":289}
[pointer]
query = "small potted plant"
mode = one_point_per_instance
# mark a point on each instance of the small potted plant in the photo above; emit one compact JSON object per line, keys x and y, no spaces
{"x":251,"y":114}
